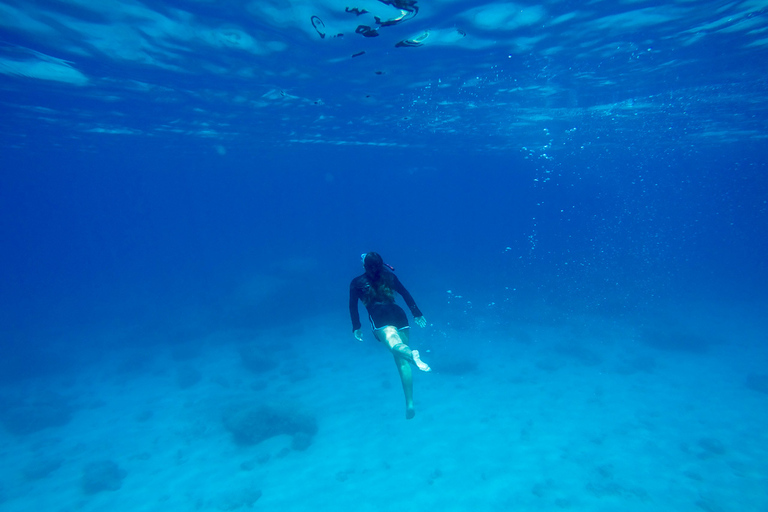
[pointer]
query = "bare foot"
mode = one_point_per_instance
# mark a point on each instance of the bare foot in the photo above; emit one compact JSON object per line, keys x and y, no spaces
{"x":421,"y":365}
{"x":409,"y":412}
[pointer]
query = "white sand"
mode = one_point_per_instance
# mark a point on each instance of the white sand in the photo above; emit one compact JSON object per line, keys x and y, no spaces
{"x":531,"y":429}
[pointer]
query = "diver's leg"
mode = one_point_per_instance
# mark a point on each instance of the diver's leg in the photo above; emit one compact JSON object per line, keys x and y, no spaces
{"x":406,"y":377}
{"x":405,"y":334}
{"x":403,"y":359}
{"x":396,"y":341}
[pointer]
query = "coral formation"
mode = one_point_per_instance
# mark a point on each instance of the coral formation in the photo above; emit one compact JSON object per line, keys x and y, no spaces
{"x":24,"y":414}
{"x":758,"y":383}
{"x":186,"y":377}
{"x":40,"y":468}
{"x":251,"y":425}
{"x":253,"y":359}
{"x":103,"y":475}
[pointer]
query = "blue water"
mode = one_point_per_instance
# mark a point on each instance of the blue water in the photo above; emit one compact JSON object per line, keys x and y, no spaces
{"x":561,"y":185}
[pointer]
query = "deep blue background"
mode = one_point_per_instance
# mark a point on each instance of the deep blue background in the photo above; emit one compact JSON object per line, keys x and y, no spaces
{"x":152,"y":240}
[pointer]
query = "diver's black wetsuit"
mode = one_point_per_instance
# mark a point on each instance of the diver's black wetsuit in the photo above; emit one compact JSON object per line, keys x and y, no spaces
{"x":382,"y":311}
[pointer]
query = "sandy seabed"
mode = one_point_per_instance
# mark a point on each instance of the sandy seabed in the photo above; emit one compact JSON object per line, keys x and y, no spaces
{"x":575,"y":415}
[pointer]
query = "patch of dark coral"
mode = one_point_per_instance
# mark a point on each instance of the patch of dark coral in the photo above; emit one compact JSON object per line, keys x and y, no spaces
{"x":25,"y":413}
{"x":758,"y":383}
{"x":252,"y":424}
{"x":253,"y":359}
{"x":101,"y":476}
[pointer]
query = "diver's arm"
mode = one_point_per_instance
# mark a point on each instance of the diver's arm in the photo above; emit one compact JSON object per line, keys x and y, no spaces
{"x":353,"y":312}
{"x":399,"y":288}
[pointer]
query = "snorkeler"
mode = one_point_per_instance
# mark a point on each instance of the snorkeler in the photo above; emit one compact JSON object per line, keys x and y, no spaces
{"x":376,"y":288}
